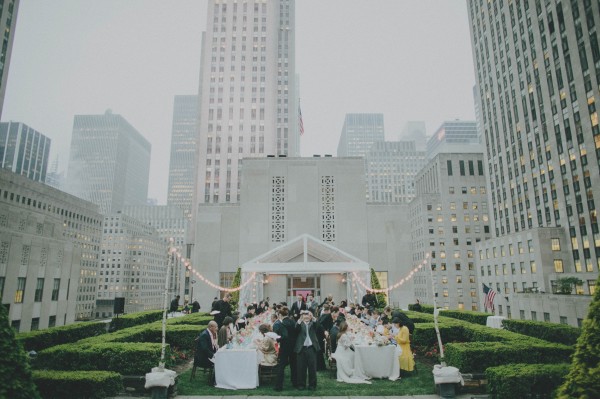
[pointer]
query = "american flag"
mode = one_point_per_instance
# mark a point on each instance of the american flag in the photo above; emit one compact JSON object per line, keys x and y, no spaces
{"x":300,"y":122}
{"x":488,"y":302}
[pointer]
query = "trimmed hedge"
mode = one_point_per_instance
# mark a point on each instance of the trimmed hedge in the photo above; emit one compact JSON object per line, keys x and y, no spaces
{"x":123,"y":358}
{"x":135,"y":319}
{"x":200,"y":319}
{"x":417,"y":317}
{"x":77,"y":384}
{"x":559,"y":333}
{"x":467,"y":315}
{"x":478,"y":356}
{"x":424,"y":308}
{"x":42,"y":339}
{"x":525,"y":380}
{"x":180,"y":336}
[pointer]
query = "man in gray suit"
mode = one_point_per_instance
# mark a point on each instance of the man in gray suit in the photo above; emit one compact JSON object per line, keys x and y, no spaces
{"x":306,"y":349}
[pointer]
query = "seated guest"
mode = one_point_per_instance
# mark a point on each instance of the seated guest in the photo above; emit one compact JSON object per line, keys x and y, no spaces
{"x":337,"y":319}
{"x":344,"y":357}
{"x":407,"y":363}
{"x":250,"y":312}
{"x":267,"y":346}
{"x":206,"y":346}
{"x":225,"y":334}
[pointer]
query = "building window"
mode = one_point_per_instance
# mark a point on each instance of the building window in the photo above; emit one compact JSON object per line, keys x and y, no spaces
{"x":55,"y":289}
{"x":563,"y":320}
{"x":19,"y":293}
{"x":35,"y":324}
{"x":522,"y":314}
{"x":555,"y":244}
{"x":226,"y":280}
{"x":532,"y":267}
{"x":461,"y":165}
{"x":16,"y":325}
{"x":278,"y":209}
{"x":51,"y":321}
{"x":546,"y":317}
{"x":2,"y":279}
{"x":39,"y":290}
{"x":533,"y":315}
{"x":592,"y":286}
{"x":327,"y":208}
{"x":558,"y":266}
{"x":449,"y":166}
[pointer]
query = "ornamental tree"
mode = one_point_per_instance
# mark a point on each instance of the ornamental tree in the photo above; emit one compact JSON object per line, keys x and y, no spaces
{"x":381,"y":301}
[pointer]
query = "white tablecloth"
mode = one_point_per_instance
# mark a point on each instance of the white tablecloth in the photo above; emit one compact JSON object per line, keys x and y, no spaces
{"x":494,"y":321}
{"x":236,"y":368}
{"x":378,"y":361}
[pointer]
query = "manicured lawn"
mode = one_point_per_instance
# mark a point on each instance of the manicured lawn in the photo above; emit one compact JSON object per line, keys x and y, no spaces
{"x":419,"y":383}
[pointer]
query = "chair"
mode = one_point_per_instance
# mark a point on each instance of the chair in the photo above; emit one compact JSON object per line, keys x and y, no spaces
{"x":266,"y":374}
{"x":331,"y":361}
{"x":205,"y":370}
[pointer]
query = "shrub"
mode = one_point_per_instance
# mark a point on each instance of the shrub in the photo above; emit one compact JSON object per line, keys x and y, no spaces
{"x":42,"y":339}
{"x":181,"y":336}
{"x":424,"y":308}
{"x":525,"y":380}
{"x":201,"y":319}
{"x":77,"y":384}
{"x":418,"y":317}
{"x":467,"y":315}
{"x":424,"y":335}
{"x":478,"y":356}
{"x":583,"y":380}
{"x":559,"y":333}
{"x":123,"y":358}
{"x":15,"y":375}
{"x":135,"y":319}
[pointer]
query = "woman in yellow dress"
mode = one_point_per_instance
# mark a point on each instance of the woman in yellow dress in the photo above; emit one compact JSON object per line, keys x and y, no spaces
{"x":407,"y":363}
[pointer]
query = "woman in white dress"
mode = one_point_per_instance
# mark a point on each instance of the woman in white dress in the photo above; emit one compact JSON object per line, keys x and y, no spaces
{"x":344,"y":358}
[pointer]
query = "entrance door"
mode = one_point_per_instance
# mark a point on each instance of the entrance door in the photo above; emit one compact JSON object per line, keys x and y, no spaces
{"x":303,"y":285}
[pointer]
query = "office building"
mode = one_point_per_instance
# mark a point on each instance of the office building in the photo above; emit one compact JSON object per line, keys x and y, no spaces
{"x":454,"y":136}
{"x":170,"y":222}
{"x":8,"y":21}
{"x":359,"y":133}
{"x":449,"y":216}
{"x":49,"y":247}
{"x":109,"y":162}
{"x":54,"y":178}
{"x":391,"y":168}
{"x":133,"y":265}
{"x":24,"y":150}
{"x":537,"y":67}
{"x":184,"y":147}
{"x":247,"y":101}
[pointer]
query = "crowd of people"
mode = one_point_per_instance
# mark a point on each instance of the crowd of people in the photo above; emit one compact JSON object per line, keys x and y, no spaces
{"x":297,"y":336}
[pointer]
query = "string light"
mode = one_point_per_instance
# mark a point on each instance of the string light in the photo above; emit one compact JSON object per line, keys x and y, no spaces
{"x":406,"y":279}
{"x":188,"y":265}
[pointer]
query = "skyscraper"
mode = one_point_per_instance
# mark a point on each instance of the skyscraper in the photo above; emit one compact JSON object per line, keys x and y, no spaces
{"x":415,"y":131}
{"x":24,"y":150}
{"x":184,"y":146}
{"x":8,"y":22}
{"x":248,"y":106}
{"x":359,"y":133}
{"x":537,"y":66}
{"x":109,"y":162}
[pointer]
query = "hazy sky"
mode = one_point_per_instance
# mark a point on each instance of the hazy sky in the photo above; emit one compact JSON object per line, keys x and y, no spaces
{"x":407,"y":59}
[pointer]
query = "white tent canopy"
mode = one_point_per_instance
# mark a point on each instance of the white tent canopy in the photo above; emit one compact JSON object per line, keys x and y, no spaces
{"x":304,"y":254}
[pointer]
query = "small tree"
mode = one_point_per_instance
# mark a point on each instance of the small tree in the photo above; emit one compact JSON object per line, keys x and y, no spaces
{"x":564,"y":285}
{"x":235,"y":296}
{"x":15,"y":375}
{"x":381,"y":301}
{"x":583,"y":380}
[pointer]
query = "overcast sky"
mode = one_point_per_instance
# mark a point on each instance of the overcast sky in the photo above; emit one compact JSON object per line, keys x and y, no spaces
{"x":408,"y":59}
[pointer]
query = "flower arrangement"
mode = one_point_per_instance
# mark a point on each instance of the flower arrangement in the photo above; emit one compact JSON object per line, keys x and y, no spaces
{"x":380,"y":340}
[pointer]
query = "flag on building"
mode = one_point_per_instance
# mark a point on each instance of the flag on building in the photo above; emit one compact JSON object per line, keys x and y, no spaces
{"x":300,"y":122}
{"x":488,"y":301}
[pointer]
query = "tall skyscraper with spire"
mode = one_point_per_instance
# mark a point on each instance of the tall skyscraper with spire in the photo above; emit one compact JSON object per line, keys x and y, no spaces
{"x":537,"y":65}
{"x":248,"y":105}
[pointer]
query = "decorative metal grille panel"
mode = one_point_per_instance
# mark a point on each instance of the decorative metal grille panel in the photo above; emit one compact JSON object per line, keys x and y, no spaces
{"x":327,"y":208}
{"x":278,"y":209}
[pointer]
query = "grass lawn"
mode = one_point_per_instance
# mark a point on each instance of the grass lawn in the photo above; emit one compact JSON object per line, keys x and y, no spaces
{"x":419,"y":383}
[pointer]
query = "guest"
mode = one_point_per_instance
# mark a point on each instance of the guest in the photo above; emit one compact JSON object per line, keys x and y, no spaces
{"x":298,"y":307}
{"x":250,"y":312}
{"x":224,"y":335}
{"x":213,"y":305}
{"x":328,"y":300}
{"x":266,"y":345}
{"x":312,"y":305}
{"x":174,"y":304}
{"x":195,"y":306}
{"x":369,"y":300}
{"x":344,"y":358}
{"x":417,"y":306}
{"x":337,"y":319}
{"x":206,"y":346}
{"x":407,"y":363}
{"x":307,"y":347}
{"x":224,"y":308}
{"x":290,"y":325}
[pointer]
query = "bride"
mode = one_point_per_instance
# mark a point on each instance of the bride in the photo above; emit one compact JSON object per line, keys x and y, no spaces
{"x":344,"y":357}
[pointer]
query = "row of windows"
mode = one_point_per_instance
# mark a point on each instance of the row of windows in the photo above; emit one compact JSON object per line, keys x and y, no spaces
{"x":39,"y":289}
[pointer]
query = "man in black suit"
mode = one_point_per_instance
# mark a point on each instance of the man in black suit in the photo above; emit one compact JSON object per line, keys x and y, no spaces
{"x":285,"y":348}
{"x":298,"y":306}
{"x":206,"y":346}
{"x":290,"y":325}
{"x":224,"y":308}
{"x":306,"y":349}
{"x":369,"y":300}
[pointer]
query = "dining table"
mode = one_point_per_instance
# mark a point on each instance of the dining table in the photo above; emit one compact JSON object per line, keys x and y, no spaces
{"x":374,"y":361}
{"x":236,"y":368}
